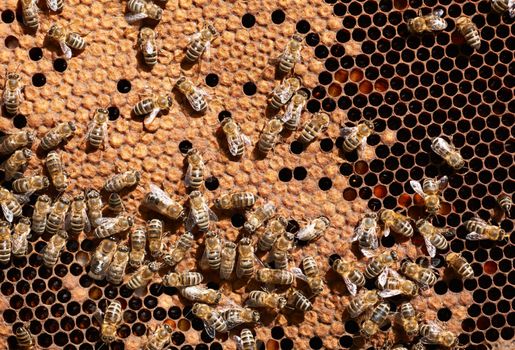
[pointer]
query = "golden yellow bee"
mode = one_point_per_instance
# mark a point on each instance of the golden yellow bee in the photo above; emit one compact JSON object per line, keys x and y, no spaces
{"x":119,"y":182}
{"x":432,"y":333}
{"x":112,"y":319}
{"x":362,"y":302}
{"x":10,"y":204}
{"x":200,"y":42}
{"x":469,"y":30}
{"x":56,"y":171}
{"x":179,"y":249}
{"x":159,"y":338}
{"x":314,"y":127}
{"x":258,"y":217}
{"x":60,"y":133}
{"x":16,"y":140}
{"x":284,"y":92}
{"x":147,"y":45}
{"x":428,"y":23}
{"x":141,"y":9}
{"x":291,"y":54}
{"x":460,"y":265}
{"x":354,"y":137}
{"x":159,"y":201}
{"x":195,"y":95}
{"x":16,"y":163}
{"x":235,"y":200}
{"x":448,"y":152}
{"x":236,"y":139}
{"x":30,"y":13}
{"x":97,"y":129}
{"x":430,"y":191}
{"x":54,"y":248}
{"x":101,"y":259}
{"x":480,"y":229}
{"x":67,"y":40}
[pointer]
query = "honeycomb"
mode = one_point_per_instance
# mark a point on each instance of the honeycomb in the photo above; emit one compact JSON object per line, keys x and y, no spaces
{"x":359,"y":63}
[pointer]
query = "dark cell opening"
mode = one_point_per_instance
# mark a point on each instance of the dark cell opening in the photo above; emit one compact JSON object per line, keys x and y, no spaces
{"x":249,"y":88}
{"x":8,"y":16}
{"x":20,"y":121}
{"x":237,"y":220}
{"x":123,"y":86}
{"x":212,"y":183}
{"x":248,"y":20}
{"x":36,"y":54}
{"x":277,"y":332}
{"x":296,"y":147}
{"x":224,"y":114}
{"x":315,"y":343}
{"x":278,"y":16}
{"x":312,"y":39}
{"x":114,"y":113}
{"x":321,"y":51}
{"x":185,"y":146}
{"x":325,"y":183}
{"x":303,"y":26}
{"x":38,"y":80}
{"x":300,"y":173}
{"x":444,"y":314}
{"x":212,"y":80}
{"x":285,"y":174}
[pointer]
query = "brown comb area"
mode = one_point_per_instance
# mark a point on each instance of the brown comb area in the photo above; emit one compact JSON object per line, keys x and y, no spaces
{"x":359,"y":62}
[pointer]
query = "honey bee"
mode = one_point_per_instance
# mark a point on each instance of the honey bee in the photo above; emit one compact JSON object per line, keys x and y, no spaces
{"x":314,"y":127}
{"x":14,"y":141}
{"x":398,"y":223}
{"x":213,"y":320}
{"x":428,"y":23}
{"x":50,"y":254}
{"x":115,"y":203}
{"x":77,"y":220}
{"x":11,"y":207}
{"x":20,"y":243}
{"x":158,"y":201}
{"x":16,"y":163}
{"x":148,"y":46}
{"x":61,"y":132}
{"x":227,"y":260}
{"x":433,"y":236}
{"x":159,"y":338}
{"x":479,"y":229}
{"x":56,"y":216}
{"x":245,"y":263}
{"x":272,"y":276}
{"x":179,"y":249}
{"x":298,"y":301}
{"x":430,"y":192}
{"x":5,"y":242}
{"x":56,"y":171}
{"x":97,"y":129}
{"x":116,"y":269}
{"x":239,"y":315}
{"x":119,"y":182}
{"x":351,"y":275}
{"x":184,"y":279}
{"x":200,"y":42}
{"x":151,"y":106}
{"x":505,"y":203}
{"x":291,"y":118}
{"x":67,"y":40}
{"x":259,"y":298}
{"x":314,"y":277}
{"x":284,"y":92}
{"x":469,"y":30}
{"x":101,"y":258}
{"x":235,"y":200}
{"x":196,"y":96}
{"x":356,"y":136}
{"x":424,"y":276}
{"x":112,"y":226}
{"x":257,"y":218}
{"x":366,"y":234}
{"x":94,"y":204}
{"x":270,"y":135}
{"x":24,"y":338}
{"x":196,"y":168}
{"x":30,"y":12}
{"x":143,"y":276}
{"x":201,"y":295}
{"x":377,"y":319}
{"x":502,"y":6}
{"x":448,"y":152}
{"x":434,"y":334}
{"x":30,"y":184}
{"x":112,"y":320}
{"x":246,"y":340}
{"x":460,"y":265}
{"x":211,"y":257}
{"x":39,"y":216}
{"x":138,"y":243}
{"x":280,"y":253}
{"x":291,"y":54}
{"x":200,"y":215}
{"x":276,"y":227}
{"x":379,"y":265}
{"x":141,"y":9}
{"x":394,"y":285}
{"x":155,"y":237}
{"x":236,"y":139}
{"x":55,"y":5}
{"x":314,"y":230}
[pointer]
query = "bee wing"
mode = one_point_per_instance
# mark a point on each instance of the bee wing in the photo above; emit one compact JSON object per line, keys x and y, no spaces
{"x":99,"y":316}
{"x":438,"y":12}
{"x":381,"y":279}
{"x":107,"y":222}
{"x":386,"y":231}
{"x":210,"y":330}
{"x":9,"y":215}
{"x":363,"y":144}
{"x":305,"y":232}
{"x":283,"y":94}
{"x":239,"y":344}
{"x":358,"y":232}
{"x":299,"y":274}
{"x":150,"y":118}
{"x":133,"y":17}
{"x":85,"y":217}
{"x":148,"y":47}
{"x":191,"y":221}
{"x":387,"y":293}
{"x":353,"y":289}
{"x":67,"y":221}
{"x":431,"y":249}
{"x":417,"y":187}
{"x":232,"y":142}
{"x":246,"y":140}
{"x":52,"y":5}
{"x":194,"y":37}
{"x":162,"y":195}
{"x":212,"y":215}
{"x":345,"y":131}
{"x":511,"y":8}
{"x":369,"y":253}
{"x":442,"y":182}
{"x":22,"y":198}
{"x":66,"y":50}
{"x":474,"y":236}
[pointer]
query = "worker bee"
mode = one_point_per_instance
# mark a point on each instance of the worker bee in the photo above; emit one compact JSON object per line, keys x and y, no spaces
{"x":196,"y":168}
{"x":227,"y":260}
{"x":448,"y":152}
{"x":55,"y":5}
{"x":291,"y":54}
{"x":479,"y":229}
{"x":196,"y":96}
{"x":77,"y":220}
{"x":159,"y":201}
{"x":409,"y":319}
{"x":11,"y":207}
{"x":236,"y":139}
{"x":298,"y":301}
{"x":284,"y":92}
{"x":56,"y":216}
{"x":200,"y":42}
{"x":291,"y":118}
{"x":211,"y":257}
{"x":115,"y":203}
{"x":101,"y":258}
{"x":469,"y":30}
{"x":67,"y":40}
{"x":272,"y":276}
{"x":314,"y":127}
{"x":155,"y":237}
{"x":94,"y":204}
{"x":505,"y":203}
{"x":148,"y":46}
{"x":351,"y":275}
{"x":366,"y":234}
{"x":424,"y":276}
{"x":313,"y":275}
{"x":270,"y":135}
{"x":30,"y":12}
{"x":275,"y":228}
{"x":112,"y":319}
{"x":430,"y":192}
{"x":460,"y":265}
{"x":433,"y":236}
{"x":246,"y":340}
{"x":356,"y":136}
{"x":201,"y":295}
{"x":56,"y":171}
{"x":377,"y":319}
{"x":428,"y":23}
{"x":314,"y":230}
{"x":97,"y":129}
{"x":159,"y":338}
{"x":245,"y":263}
{"x":14,"y":141}
{"x":394,"y":285}
{"x":239,"y":315}
{"x":21,"y":233}
{"x":398,"y":223}
{"x":502,"y":6}
{"x":143,"y":276}
{"x":61,"y":132}
{"x":151,"y":106}
{"x":50,"y":254}
{"x":434,"y":334}
{"x":257,"y":218}
{"x":259,"y":298}
{"x":280,"y":253}
{"x":138,"y":243}
{"x":30,"y":184}
{"x":141,"y":9}
{"x":379,"y":265}
{"x":39,"y":215}
{"x":121,"y":181}
{"x":116,"y":269}
{"x":24,"y":338}
{"x":213,"y":320}
{"x":200,"y":215}
{"x":179,"y":249}
{"x":16,"y":163}
{"x":112,"y":226}
{"x":184,"y":279}
{"x":235,"y":200}
{"x":5,"y":242}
